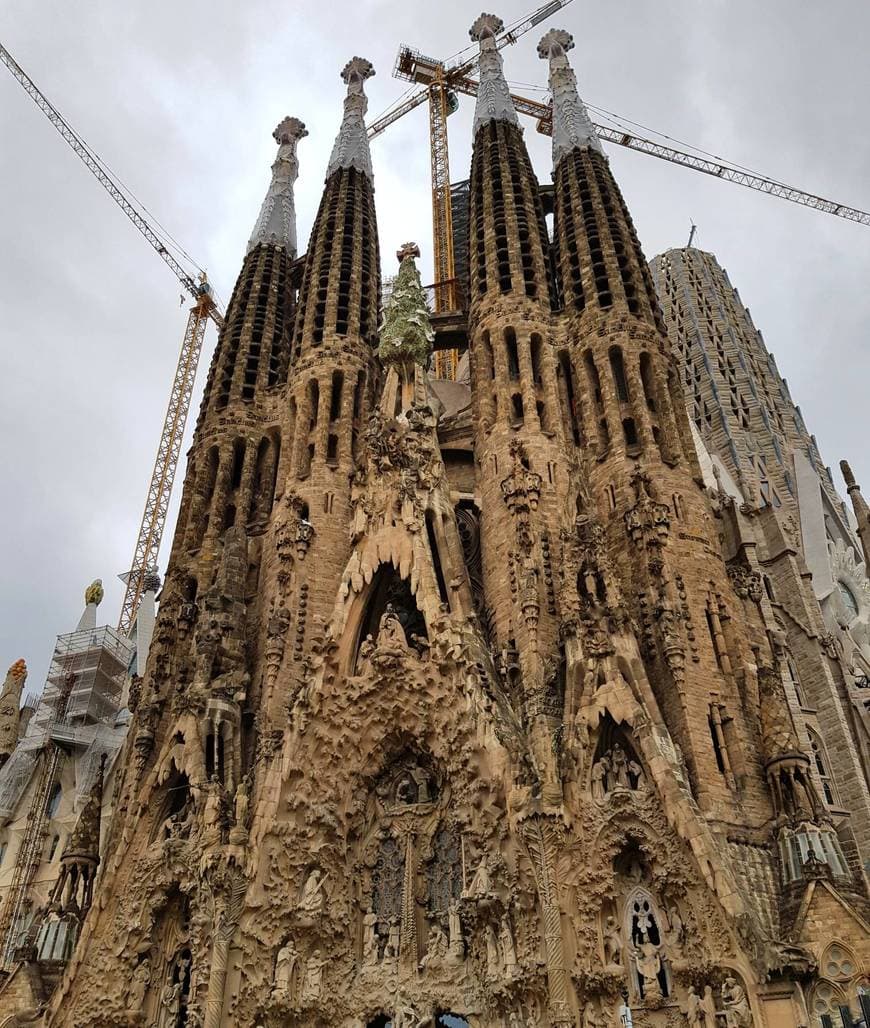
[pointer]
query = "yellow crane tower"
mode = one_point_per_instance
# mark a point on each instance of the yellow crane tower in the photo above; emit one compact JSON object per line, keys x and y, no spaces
{"x":440,"y":84}
{"x":204,"y":309}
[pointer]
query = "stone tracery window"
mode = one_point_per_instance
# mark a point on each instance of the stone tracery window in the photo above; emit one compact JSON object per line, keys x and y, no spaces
{"x":837,"y":962}
{"x":444,"y":874}
{"x":387,"y":879}
{"x":826,"y":999}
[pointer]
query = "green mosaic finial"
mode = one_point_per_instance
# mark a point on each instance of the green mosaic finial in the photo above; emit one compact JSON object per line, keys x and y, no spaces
{"x":406,"y":334}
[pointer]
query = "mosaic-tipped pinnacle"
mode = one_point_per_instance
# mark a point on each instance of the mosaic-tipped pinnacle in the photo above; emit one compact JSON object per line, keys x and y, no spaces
{"x":18,"y":669}
{"x":555,"y":43}
{"x":486,"y":26}
{"x":357,"y":68}
{"x":288,"y":130}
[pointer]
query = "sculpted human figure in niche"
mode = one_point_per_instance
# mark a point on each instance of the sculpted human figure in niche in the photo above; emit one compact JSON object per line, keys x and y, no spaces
{"x":649,"y":963}
{"x":313,"y":978}
{"x":735,"y":1004}
{"x":456,"y":944}
{"x":701,"y":1010}
{"x":285,"y":966}
{"x":370,"y":939}
{"x":612,"y":942}
{"x":619,"y":768}
{"x":390,"y":631}
{"x":600,"y":772}
{"x":508,"y":949}
{"x":311,"y":900}
{"x":493,"y":960}
{"x":139,"y":985}
{"x":481,"y":883}
{"x":436,"y":950}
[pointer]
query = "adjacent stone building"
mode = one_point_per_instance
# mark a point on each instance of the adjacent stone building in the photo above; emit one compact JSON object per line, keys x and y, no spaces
{"x":755,"y":447}
{"x":467,"y":703}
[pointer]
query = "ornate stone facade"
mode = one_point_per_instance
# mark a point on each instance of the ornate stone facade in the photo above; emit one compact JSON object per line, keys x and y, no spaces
{"x":459,"y":718}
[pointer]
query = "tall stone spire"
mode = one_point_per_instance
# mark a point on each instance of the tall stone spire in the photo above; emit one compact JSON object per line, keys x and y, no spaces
{"x":572,"y":126}
{"x":10,"y":709}
{"x":859,"y":506}
{"x":276,"y":224}
{"x":351,"y":149}
{"x":493,"y":96}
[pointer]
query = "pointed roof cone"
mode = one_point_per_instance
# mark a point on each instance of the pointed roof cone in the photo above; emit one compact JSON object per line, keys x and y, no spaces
{"x":351,"y":149}
{"x":493,"y":95}
{"x":406,"y":333}
{"x":859,"y":506}
{"x":84,"y":841}
{"x":572,"y":126}
{"x":276,"y":224}
{"x":93,"y":598}
{"x":10,"y":709}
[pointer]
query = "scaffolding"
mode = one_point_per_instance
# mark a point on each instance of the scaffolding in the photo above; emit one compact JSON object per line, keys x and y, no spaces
{"x":77,"y":710}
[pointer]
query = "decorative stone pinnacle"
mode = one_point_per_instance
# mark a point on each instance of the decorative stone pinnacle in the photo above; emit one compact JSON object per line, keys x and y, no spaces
{"x":846,"y":472}
{"x":494,"y":101}
{"x":355,"y":72}
{"x":18,"y":669}
{"x":406,"y":334}
{"x":407,"y":250}
{"x":572,"y":126}
{"x":486,"y":28}
{"x":555,"y":43}
{"x":276,"y":223}
{"x":94,"y":592}
{"x":351,"y":148}
{"x":290,"y":130}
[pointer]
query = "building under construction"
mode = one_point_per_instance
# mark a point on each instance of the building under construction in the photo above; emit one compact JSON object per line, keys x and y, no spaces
{"x":498,"y":666}
{"x":65,"y":751}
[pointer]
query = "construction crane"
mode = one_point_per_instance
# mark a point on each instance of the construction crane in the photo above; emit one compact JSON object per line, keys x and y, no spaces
{"x":204,"y":309}
{"x":441,"y":82}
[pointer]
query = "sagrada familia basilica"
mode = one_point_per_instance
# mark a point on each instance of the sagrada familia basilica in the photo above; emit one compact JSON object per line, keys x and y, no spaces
{"x":498,"y":702}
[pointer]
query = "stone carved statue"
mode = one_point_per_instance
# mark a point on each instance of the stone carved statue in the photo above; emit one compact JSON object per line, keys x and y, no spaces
{"x":612,"y":942}
{"x":390,"y":631}
{"x":139,"y":985}
{"x":456,"y":945}
{"x":600,"y":772}
{"x":481,"y":883}
{"x":615,"y":769}
{"x":170,"y":1001}
{"x":212,"y":816}
{"x":619,"y":768}
{"x":508,"y":949}
{"x":391,"y":950}
{"x":407,"y":1017}
{"x":735,"y":1004}
{"x":285,"y":967}
{"x":313,"y":985}
{"x":370,"y":939}
{"x":437,"y":948}
{"x":648,"y":961}
{"x":700,"y":1013}
{"x":493,"y":960}
{"x":242,"y":803}
{"x":311,"y":900}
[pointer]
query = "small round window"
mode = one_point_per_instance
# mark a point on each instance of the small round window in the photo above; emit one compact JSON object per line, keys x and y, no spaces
{"x":848,"y":598}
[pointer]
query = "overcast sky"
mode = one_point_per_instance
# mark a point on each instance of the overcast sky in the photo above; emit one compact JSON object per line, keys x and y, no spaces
{"x":181,"y":99}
